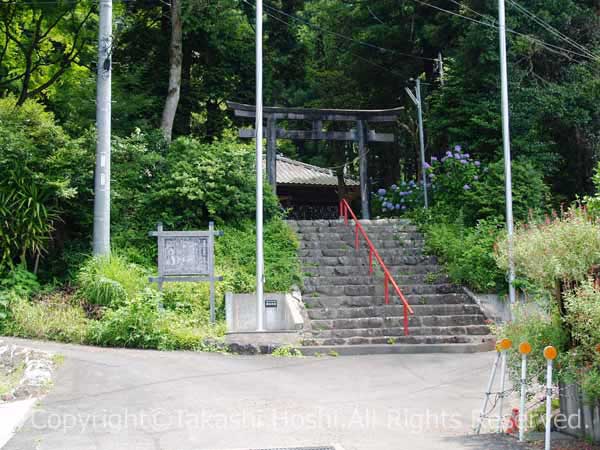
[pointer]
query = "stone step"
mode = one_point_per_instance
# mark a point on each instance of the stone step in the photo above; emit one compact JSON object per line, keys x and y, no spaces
{"x":389,"y":340}
{"x":417,"y":319}
{"x":349,"y":236}
{"x":476,"y":320}
{"x":352,"y":271}
{"x":336,"y":252}
{"x":315,"y":300}
{"x":311,"y":281}
{"x":373,"y":222}
{"x":390,"y":261}
{"x":338,"y":228}
{"x":414,"y":346}
{"x":377,"y":289}
{"x":349,"y":243}
{"x":367,"y":333}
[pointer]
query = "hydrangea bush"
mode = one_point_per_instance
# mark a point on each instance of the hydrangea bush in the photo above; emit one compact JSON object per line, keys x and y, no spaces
{"x":450,"y":180}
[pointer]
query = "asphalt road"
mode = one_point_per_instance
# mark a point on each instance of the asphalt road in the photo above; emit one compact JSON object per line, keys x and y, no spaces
{"x":146,"y":400}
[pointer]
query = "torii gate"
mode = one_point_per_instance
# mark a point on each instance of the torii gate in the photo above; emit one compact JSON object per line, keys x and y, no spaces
{"x":361,"y":134}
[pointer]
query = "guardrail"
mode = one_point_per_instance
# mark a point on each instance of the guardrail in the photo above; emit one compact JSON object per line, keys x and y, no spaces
{"x":345,"y":211}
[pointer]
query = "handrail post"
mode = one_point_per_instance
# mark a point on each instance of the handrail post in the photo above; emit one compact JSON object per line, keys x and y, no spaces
{"x":405,"y":321}
{"x":386,"y":289}
{"x":356,"y":246}
{"x":370,"y":261}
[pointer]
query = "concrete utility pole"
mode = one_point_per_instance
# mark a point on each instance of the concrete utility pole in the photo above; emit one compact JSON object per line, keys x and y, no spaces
{"x":101,"y":233}
{"x":506,"y":143}
{"x":441,"y":67}
{"x":417,"y":101}
{"x":260,"y":304}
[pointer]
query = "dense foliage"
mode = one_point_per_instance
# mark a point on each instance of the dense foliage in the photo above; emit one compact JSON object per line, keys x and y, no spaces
{"x":557,"y":265}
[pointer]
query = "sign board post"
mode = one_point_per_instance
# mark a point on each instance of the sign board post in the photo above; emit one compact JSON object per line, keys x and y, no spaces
{"x":187,"y":256}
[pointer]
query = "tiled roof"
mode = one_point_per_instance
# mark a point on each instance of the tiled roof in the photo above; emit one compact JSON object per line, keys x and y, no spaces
{"x":290,"y":171}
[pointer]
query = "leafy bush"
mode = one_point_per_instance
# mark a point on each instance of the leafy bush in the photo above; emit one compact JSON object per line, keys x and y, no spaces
{"x":561,"y":249}
{"x":540,"y":331}
{"x":467,"y":253}
{"x":110,"y":281}
{"x":131,"y":325}
{"x":20,"y":281}
{"x":590,"y":384}
{"x":140,"y":324}
{"x":487,"y":198}
{"x":398,"y":199}
{"x":592,"y":202}
{"x":583,"y":315}
{"x":460,"y":184}
{"x":236,"y":250}
{"x":31,"y":187}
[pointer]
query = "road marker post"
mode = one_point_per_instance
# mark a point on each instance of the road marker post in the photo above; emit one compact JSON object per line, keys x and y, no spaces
{"x":524,"y":350}
{"x":550,"y":353}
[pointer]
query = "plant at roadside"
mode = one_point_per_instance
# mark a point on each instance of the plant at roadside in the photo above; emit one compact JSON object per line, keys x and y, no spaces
{"x":110,"y":281}
{"x":287,"y":351}
{"x":467,"y":253}
{"x":562,"y":249}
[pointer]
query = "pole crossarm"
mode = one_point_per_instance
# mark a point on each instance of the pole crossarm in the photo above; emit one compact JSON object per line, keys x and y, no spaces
{"x":335,"y":115}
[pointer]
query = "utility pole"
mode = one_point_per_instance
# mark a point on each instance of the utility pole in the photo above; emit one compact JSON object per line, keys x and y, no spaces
{"x":101,"y":234}
{"x":260,"y":304}
{"x":418,"y":102}
{"x":506,"y":144}
{"x":441,"y":67}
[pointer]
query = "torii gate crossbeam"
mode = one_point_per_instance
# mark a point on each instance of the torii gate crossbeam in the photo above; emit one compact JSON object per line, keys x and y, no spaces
{"x":361,"y":134}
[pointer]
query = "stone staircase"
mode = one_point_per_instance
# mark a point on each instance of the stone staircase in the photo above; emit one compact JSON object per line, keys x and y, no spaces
{"x":346,"y":307}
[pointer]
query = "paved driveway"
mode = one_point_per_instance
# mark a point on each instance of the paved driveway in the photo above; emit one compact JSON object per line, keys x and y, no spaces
{"x":142,"y":400}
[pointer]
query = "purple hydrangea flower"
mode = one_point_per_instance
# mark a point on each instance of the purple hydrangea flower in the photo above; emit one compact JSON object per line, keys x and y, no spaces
{"x":381,"y":191}
{"x":466,"y":187}
{"x":394,"y":187}
{"x":477,"y":163}
{"x":458,"y":148}
{"x":449,"y":154}
{"x":426,"y":165}
{"x":463,"y":161}
{"x":434,"y":158}
{"x":457,"y":155}
{"x":476,"y":177}
{"x":403,"y":207}
{"x":466,"y":155}
{"x":397,"y":205}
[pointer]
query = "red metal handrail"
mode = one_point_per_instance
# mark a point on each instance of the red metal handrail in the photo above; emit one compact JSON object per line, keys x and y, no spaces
{"x":388,"y":278}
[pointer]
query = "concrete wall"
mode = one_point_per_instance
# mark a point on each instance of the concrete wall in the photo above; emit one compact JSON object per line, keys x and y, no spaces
{"x":282,"y":312}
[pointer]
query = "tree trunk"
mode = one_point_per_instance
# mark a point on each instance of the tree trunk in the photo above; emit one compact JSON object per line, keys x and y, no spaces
{"x":175,"y":60}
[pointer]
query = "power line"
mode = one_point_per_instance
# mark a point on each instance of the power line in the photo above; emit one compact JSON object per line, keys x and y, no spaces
{"x":343,"y":36}
{"x":379,"y":66}
{"x":550,"y":47}
{"x":551,"y":29}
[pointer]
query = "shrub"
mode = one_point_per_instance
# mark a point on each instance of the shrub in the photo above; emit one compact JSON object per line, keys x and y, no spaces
{"x":540,"y":331}
{"x":467,"y":253}
{"x":236,"y":250}
{"x":562,"y":249}
{"x":31,"y":188}
{"x":398,"y":199}
{"x":110,"y":281}
{"x":583,"y":316}
{"x":139,"y":323}
{"x":131,"y":325}
{"x":487,"y":198}
{"x":20,"y":281}
{"x":459,"y":184}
